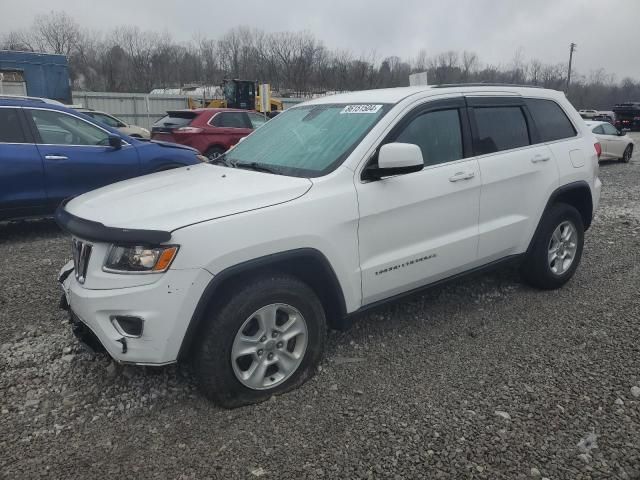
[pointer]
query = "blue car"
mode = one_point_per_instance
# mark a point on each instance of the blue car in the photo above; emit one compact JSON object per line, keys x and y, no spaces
{"x":49,"y":152}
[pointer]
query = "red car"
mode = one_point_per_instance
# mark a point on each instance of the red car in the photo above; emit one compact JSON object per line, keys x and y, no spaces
{"x":212,"y":131}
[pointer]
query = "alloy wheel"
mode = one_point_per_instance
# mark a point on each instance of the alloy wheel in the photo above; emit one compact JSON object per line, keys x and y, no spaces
{"x":269,"y":346}
{"x":562,"y":247}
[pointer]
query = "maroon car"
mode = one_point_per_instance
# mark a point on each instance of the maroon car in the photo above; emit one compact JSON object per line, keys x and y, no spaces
{"x":212,"y":131}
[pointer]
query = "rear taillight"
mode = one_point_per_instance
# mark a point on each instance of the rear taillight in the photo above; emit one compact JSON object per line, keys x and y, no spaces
{"x":598,"y":148}
{"x":188,"y":130}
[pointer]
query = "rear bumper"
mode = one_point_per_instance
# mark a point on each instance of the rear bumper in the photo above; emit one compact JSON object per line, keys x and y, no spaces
{"x":166,"y":307}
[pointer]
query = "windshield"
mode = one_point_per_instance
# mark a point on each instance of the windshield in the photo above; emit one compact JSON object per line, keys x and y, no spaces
{"x":308,"y":141}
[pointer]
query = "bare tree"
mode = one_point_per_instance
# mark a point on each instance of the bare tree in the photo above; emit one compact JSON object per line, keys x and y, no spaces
{"x":128,"y":59}
{"x":56,"y":32}
{"x":16,"y":40}
{"x":444,"y":67}
{"x":518,"y":67}
{"x":421,"y":61}
{"x":535,"y":72}
{"x":469,"y":64}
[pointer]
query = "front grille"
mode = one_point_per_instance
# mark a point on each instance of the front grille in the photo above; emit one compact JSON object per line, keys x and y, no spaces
{"x":81,"y":255}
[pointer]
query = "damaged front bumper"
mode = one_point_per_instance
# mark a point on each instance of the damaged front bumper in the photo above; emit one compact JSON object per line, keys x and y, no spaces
{"x":165,"y":308}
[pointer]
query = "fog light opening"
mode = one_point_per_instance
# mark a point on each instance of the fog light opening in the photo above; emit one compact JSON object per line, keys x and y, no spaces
{"x":127,"y":325}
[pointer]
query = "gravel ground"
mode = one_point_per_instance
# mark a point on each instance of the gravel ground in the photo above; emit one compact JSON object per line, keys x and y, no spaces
{"x":484,"y":378}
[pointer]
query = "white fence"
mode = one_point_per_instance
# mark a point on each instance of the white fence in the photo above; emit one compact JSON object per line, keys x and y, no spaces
{"x":135,"y":108}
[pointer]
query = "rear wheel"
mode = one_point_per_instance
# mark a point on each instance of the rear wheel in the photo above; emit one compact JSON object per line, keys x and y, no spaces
{"x":214,"y":152}
{"x":628,"y":153}
{"x":557,"y":249}
{"x":267,"y":338}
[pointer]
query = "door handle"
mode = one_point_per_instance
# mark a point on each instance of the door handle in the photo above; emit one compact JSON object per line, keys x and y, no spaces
{"x":55,"y":157}
{"x":540,"y":158}
{"x":462,"y":176}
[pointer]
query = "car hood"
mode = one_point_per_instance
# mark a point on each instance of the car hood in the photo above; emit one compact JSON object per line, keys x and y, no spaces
{"x":169,"y":145}
{"x":184,"y":196}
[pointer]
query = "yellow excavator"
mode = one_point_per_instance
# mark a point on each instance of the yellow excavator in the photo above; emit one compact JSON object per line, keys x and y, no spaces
{"x":242,"y":94}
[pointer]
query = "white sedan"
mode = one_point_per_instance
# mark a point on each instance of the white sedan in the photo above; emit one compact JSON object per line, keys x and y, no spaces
{"x":616,"y":145}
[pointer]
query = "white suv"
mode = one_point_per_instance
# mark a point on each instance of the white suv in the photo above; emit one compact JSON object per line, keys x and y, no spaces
{"x":331,"y":208}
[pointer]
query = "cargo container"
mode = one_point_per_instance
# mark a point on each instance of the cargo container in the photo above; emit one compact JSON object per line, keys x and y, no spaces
{"x":35,"y":74}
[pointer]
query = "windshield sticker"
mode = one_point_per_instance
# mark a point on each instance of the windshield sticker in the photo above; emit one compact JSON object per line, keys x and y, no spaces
{"x":361,"y":109}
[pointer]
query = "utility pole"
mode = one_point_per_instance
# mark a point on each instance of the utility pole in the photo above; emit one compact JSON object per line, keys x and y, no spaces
{"x":572,"y":48}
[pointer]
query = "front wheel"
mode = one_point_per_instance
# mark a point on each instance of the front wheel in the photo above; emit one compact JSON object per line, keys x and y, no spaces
{"x":267,"y":338}
{"x":556,"y":250}
{"x":628,"y":153}
{"x":214,"y":152}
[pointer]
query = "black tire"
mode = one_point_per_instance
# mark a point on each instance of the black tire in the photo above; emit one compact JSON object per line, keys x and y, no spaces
{"x":214,"y":152}
{"x":628,"y":153}
{"x":212,"y":359}
{"x":536,"y":269}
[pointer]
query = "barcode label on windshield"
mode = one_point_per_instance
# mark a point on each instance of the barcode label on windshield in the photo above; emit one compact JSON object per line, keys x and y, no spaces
{"x":361,"y":109}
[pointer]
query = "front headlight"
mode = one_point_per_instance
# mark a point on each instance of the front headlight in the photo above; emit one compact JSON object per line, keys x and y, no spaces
{"x":139,"y":259}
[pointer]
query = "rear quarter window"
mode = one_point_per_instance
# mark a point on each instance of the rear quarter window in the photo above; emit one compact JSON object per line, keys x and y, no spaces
{"x":551,"y":121}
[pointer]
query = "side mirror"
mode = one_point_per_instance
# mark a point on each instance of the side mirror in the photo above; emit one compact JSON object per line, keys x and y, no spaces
{"x":115,"y":141}
{"x":620,"y":133}
{"x":395,"y":159}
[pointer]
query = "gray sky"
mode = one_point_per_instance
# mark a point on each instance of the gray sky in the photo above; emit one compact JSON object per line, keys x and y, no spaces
{"x":606,"y":31}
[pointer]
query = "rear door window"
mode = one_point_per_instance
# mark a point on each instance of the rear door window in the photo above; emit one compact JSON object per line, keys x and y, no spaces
{"x":438,"y":134}
{"x":10,"y":127}
{"x":551,"y":121}
{"x":231,"y":120}
{"x":500,"y":128}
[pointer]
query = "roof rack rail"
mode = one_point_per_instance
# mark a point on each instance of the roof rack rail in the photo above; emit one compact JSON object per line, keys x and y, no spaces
{"x":482,"y":84}
{"x":6,"y":96}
